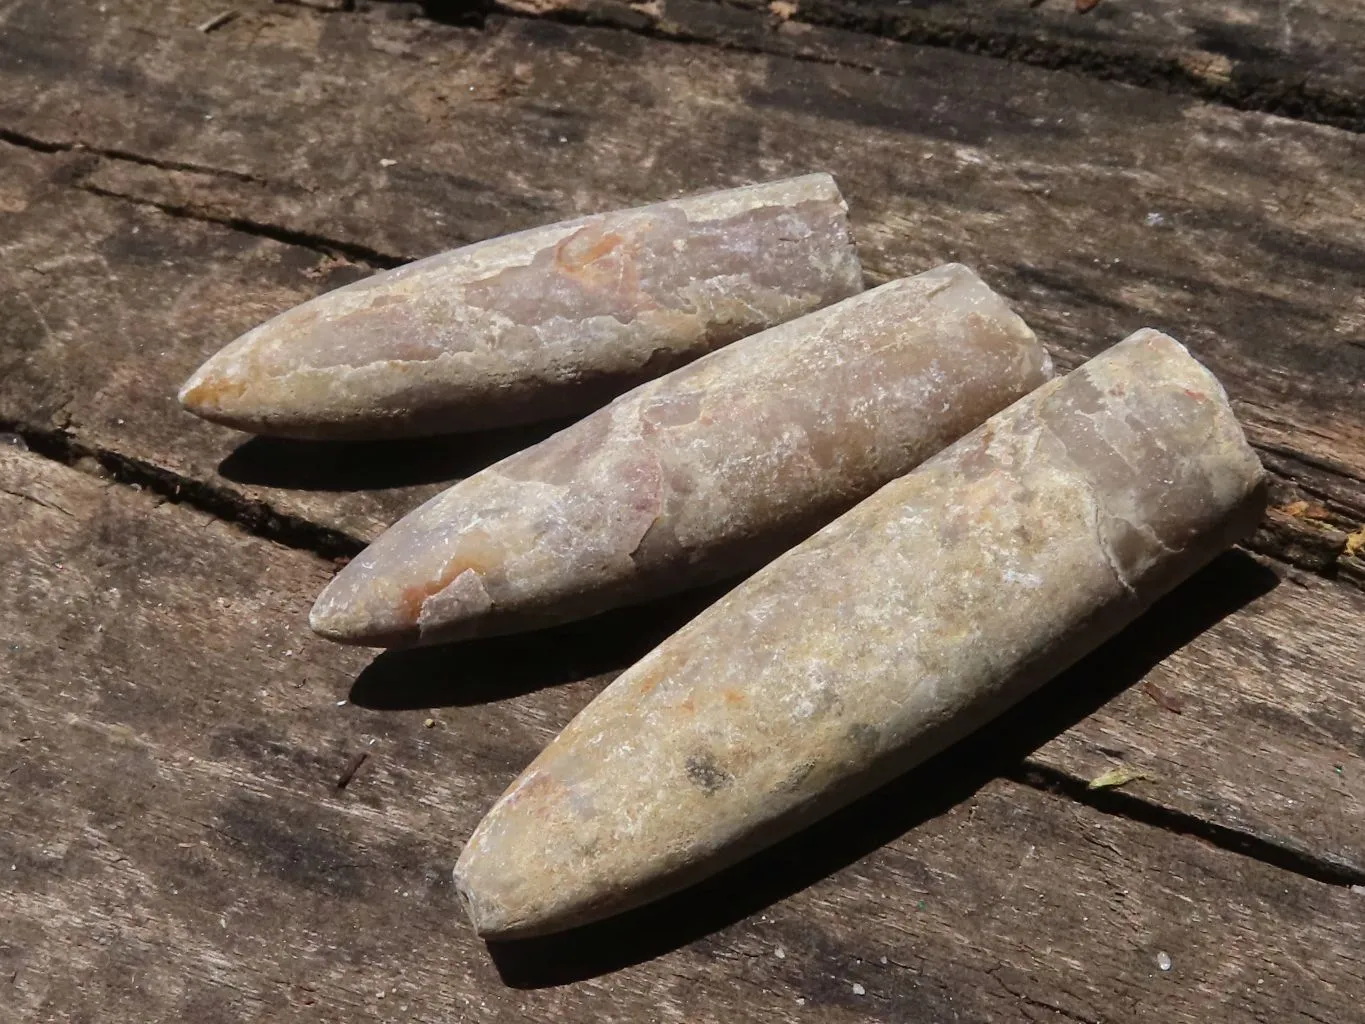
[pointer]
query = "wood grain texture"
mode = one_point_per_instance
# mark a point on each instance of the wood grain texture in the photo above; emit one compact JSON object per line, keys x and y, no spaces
{"x":1287,"y":57}
{"x":176,"y":846}
{"x":1097,"y":209}
{"x":105,"y":305}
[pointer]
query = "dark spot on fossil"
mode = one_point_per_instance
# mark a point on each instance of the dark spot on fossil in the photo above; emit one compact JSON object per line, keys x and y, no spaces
{"x":797,"y":776}
{"x":1082,"y":395}
{"x":953,"y":527}
{"x":706,"y":774}
{"x":1128,"y":546}
{"x":827,"y":701}
{"x":824,"y":450}
{"x":863,"y":738}
{"x":975,"y":460}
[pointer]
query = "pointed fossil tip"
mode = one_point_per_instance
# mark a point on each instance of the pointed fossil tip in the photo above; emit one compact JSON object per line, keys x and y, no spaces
{"x":325,"y":622}
{"x":212,"y":394}
{"x":468,"y":900}
{"x":466,"y":890}
{"x":193,"y":394}
{"x":345,"y":612}
{"x":491,"y":922}
{"x":335,"y":618}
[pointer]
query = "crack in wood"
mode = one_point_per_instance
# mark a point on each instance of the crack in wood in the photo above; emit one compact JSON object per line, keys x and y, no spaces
{"x":1134,"y":808}
{"x":257,"y":518}
{"x":352,"y":251}
{"x":48,"y":146}
{"x":1039,"y":1004}
{"x":37,"y":501}
{"x":1170,"y":72}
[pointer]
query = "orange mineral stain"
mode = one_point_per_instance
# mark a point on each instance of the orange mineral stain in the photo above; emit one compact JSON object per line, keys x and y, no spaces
{"x":211,"y":392}
{"x":474,"y":552}
{"x":576,"y":253}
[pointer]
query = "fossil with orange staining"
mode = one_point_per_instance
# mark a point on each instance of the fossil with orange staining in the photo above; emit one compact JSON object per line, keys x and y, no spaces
{"x":938,"y":602}
{"x":702,"y":474}
{"x":543,"y":323}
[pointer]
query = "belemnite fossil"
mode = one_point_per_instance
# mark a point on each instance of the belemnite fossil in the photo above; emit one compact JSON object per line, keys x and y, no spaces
{"x":536,"y":325}
{"x":905,"y":624}
{"x":705,"y":473}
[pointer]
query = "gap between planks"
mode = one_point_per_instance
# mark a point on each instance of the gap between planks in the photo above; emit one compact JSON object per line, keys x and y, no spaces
{"x":259,"y":520}
{"x":351,"y":251}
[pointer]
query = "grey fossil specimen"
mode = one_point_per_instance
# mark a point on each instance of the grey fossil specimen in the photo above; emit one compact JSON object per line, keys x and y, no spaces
{"x":539,"y":324}
{"x":930,"y":607}
{"x":702,"y":474}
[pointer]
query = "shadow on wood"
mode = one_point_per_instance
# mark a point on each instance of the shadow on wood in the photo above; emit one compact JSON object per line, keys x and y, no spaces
{"x":470,"y":13}
{"x":1230,"y":582}
{"x":478,"y":671}
{"x":458,"y":12}
{"x":372,"y":465}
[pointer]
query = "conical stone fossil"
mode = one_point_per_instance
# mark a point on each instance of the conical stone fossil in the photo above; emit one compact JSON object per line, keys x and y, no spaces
{"x":944,"y":598}
{"x":543,"y":323}
{"x":702,"y":474}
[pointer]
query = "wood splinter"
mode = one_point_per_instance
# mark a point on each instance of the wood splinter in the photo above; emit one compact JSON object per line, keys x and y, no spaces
{"x":905,"y":624}
{"x":539,"y":324}
{"x":703,"y":474}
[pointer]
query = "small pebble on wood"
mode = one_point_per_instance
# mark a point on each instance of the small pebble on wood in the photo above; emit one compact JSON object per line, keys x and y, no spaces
{"x":705,"y":473}
{"x":539,"y":324}
{"x":932,"y":606}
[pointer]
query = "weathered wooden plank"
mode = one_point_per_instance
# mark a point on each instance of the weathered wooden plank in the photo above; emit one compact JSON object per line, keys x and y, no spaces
{"x":94,"y":274}
{"x":1288,"y":57}
{"x":1291,"y":58}
{"x":103,"y":305}
{"x":178,"y":847}
{"x":1240,"y":695}
{"x":128,"y":277}
{"x":1097,"y":208}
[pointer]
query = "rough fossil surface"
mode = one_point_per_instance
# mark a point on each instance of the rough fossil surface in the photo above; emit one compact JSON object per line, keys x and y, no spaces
{"x":705,"y":473}
{"x":906,"y":623}
{"x":538,"y":324}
